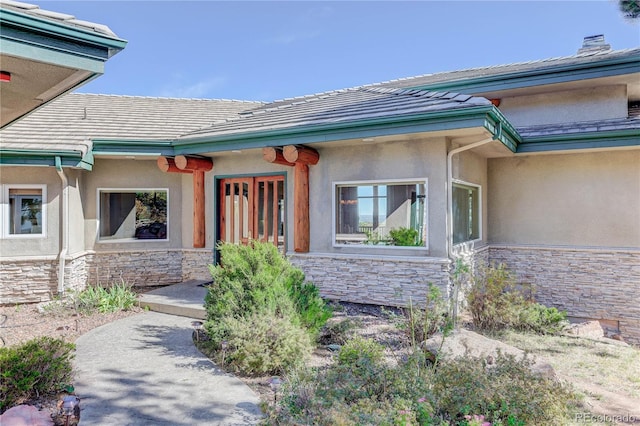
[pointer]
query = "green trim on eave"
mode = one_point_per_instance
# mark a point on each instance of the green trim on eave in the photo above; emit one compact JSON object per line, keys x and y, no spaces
{"x":540,"y":76}
{"x":44,"y":54}
{"x":591,"y":140}
{"x":27,"y":157}
{"x":498,"y":125}
{"x":382,"y":126}
{"x":60,"y":29}
{"x":124,"y":147}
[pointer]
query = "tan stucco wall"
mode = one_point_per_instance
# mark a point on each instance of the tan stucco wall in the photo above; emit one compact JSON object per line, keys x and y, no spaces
{"x":50,"y":244}
{"x":568,"y":106}
{"x":582,"y":199}
{"x":470,"y":167}
{"x":131,"y":174}
{"x":76,"y":211}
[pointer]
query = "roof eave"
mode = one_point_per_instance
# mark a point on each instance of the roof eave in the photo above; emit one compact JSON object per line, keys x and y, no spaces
{"x":33,"y":157}
{"x":479,"y":116}
{"x":580,"y":141}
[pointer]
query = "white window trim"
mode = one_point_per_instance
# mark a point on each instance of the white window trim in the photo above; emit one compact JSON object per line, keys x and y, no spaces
{"x":480,"y":216}
{"x":6,"y":214}
{"x":334,"y":186}
{"x":128,"y":240}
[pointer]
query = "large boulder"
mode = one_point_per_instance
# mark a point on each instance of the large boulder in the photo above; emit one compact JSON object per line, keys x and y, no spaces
{"x":25,"y":415}
{"x":462,"y":342}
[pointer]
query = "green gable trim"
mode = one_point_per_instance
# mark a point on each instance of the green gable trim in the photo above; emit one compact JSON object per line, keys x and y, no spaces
{"x":482,"y":116}
{"x":38,"y":30}
{"x":592,"y":140}
{"x":540,"y":76}
{"x":27,"y":157}
{"x":125,"y":147}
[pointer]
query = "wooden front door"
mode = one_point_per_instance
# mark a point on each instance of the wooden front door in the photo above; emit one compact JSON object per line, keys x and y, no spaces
{"x":252,"y":208}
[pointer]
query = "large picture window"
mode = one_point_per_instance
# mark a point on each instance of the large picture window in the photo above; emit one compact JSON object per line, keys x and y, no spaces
{"x":466,"y":212}
{"x":25,"y":212}
{"x":381,"y":213}
{"x":133,"y":214}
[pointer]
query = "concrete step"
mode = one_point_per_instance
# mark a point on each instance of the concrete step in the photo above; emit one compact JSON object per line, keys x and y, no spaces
{"x":184,"y":299}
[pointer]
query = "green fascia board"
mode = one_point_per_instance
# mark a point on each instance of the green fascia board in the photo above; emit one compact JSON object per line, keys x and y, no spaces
{"x":539,"y":77}
{"x":25,"y":157}
{"x":126,"y":147}
{"x":384,"y":126}
{"x":59,"y":31}
{"x":592,"y":140}
{"x":55,"y":57}
{"x":498,"y":125}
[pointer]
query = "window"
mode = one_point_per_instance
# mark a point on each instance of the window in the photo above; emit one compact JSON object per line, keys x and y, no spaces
{"x":381,"y":213}
{"x":133,"y":214}
{"x":466,"y":212}
{"x":25,"y":211}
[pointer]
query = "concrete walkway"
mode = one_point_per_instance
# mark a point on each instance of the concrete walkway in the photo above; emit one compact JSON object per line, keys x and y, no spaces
{"x":145,"y":370}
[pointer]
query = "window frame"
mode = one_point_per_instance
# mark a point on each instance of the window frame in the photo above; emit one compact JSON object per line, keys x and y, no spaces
{"x":100,"y":240}
{"x":418,"y":181}
{"x":458,"y":182}
{"x":5,"y":232}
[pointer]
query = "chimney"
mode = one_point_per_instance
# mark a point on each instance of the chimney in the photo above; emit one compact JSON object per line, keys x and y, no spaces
{"x":593,"y":44}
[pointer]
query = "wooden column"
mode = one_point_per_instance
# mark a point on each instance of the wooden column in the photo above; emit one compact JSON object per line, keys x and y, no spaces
{"x":199,"y":217}
{"x":196,"y":166}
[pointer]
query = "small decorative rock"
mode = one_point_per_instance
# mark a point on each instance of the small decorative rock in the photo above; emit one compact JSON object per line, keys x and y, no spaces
{"x":589,"y":329}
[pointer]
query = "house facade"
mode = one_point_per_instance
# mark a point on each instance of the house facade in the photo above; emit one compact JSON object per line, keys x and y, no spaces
{"x":373,"y":191}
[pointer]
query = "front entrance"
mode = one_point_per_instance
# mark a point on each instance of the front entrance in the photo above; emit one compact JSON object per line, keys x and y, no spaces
{"x":252,"y":208}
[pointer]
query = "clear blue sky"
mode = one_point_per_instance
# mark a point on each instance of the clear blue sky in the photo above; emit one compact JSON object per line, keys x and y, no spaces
{"x":272,"y":50}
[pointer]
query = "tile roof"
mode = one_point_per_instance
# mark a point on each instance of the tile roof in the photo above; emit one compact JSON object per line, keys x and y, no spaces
{"x":62,"y":18}
{"x":70,"y":122}
{"x":581,"y":127}
{"x":341,"y":106}
{"x":541,"y":66}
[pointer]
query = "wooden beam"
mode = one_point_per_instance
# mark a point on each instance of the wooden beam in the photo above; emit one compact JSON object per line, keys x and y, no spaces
{"x":199,"y":232}
{"x":301,"y":208}
{"x":300,"y":154}
{"x":168,"y":165}
{"x":185,"y":162}
{"x":274,"y":155}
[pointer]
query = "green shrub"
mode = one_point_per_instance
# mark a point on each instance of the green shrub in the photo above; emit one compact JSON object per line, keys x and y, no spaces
{"x":359,"y":352}
{"x":256,"y":277}
{"x":339,"y":331}
{"x":117,"y":297}
{"x":39,"y":367}
{"x":264,"y":344}
{"x":422,"y":323}
{"x":404,"y":237}
{"x":507,"y":392}
{"x":495,"y":303}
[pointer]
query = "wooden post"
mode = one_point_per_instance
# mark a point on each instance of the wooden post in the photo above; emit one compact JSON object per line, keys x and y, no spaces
{"x":300,"y":154}
{"x":301,"y":208}
{"x":199,"y":218}
{"x":167,"y":164}
{"x":274,"y":155}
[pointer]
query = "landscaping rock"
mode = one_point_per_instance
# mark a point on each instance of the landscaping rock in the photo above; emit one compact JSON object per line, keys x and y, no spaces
{"x":25,"y":415}
{"x":463,"y":342}
{"x":589,"y":329}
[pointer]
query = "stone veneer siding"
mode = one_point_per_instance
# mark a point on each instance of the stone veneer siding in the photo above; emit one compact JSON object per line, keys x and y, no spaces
{"x":29,"y":280}
{"x":195,"y":264}
{"x":382,"y":280}
{"x":35,"y":279}
{"x":588,"y":283}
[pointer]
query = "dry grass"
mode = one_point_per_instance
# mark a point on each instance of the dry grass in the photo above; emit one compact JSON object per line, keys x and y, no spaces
{"x":605,"y":372}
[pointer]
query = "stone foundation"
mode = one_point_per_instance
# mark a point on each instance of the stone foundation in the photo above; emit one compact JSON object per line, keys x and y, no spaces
{"x":381,"y":280}
{"x":587,"y":283}
{"x":195,"y":264}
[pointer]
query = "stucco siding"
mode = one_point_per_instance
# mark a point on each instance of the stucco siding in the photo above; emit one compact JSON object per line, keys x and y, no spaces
{"x":566,"y":106}
{"x":582,"y":199}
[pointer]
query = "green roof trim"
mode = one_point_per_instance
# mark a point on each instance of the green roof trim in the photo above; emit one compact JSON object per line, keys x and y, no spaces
{"x":31,"y":29}
{"x":583,"y":140}
{"x":124,"y":147}
{"x":541,"y":76}
{"x":32,"y":157}
{"x":482,"y":116}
